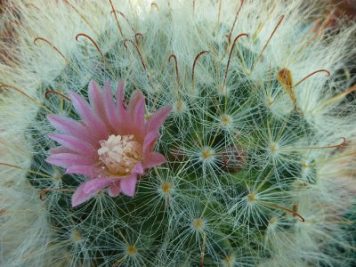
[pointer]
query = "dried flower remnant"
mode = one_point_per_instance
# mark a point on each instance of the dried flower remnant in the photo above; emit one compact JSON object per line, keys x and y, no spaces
{"x":112,"y":144}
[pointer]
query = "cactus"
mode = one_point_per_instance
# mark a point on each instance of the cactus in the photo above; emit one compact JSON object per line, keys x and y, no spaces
{"x":258,"y":145}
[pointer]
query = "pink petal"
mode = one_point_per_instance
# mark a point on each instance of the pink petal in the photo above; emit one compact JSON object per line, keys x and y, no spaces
{"x":110,"y":110}
{"x":74,"y":144}
{"x":150,"y":138}
{"x":59,"y":149}
{"x":135,"y":98}
{"x":158,"y":118}
{"x":69,"y":126}
{"x":139,"y":109}
{"x":120,"y":95}
{"x":136,"y":109}
{"x":120,"y":98}
{"x":138,"y":169}
{"x":96,"y":99}
{"x":153,"y":159}
{"x":68,"y":159}
{"x":82,"y":194}
{"x":88,"y":116}
{"x":125,"y":124}
{"x":95,"y":185}
{"x":128,"y":185}
{"x":87,"y":170}
{"x":114,"y":189}
{"x":80,"y":197}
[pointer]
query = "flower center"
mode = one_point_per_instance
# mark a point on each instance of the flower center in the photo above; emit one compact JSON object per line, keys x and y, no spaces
{"x":119,"y":154}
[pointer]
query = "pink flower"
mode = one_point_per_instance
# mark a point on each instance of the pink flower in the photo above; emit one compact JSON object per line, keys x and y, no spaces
{"x":111,"y":145}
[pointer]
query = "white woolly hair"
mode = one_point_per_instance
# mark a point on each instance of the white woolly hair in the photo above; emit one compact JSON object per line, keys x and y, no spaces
{"x":170,"y":50}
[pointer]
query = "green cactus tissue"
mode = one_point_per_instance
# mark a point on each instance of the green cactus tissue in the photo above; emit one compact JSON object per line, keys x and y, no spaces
{"x":176,"y":133}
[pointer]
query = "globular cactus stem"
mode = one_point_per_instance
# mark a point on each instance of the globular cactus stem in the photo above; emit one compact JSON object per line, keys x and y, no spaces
{"x":231,"y":145}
